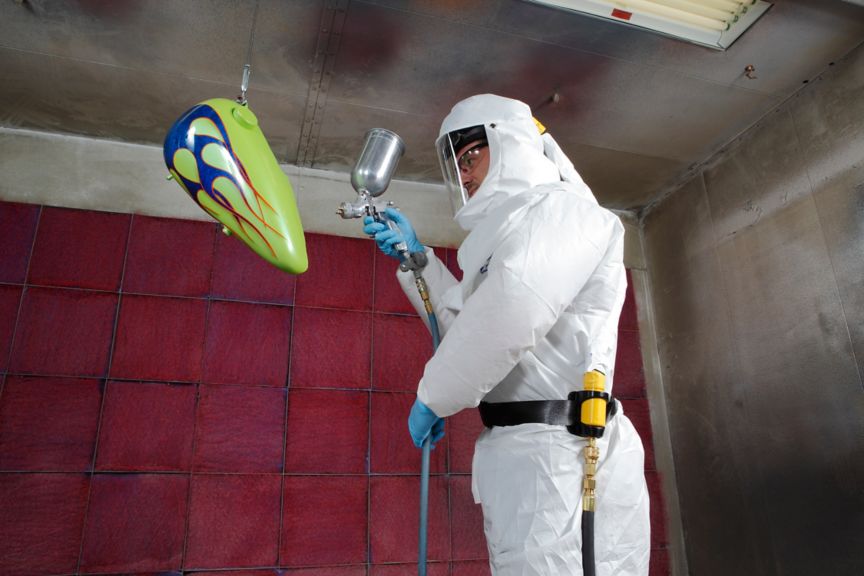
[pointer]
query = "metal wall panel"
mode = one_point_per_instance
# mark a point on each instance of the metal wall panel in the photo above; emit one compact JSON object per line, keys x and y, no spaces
{"x":699,"y":378}
{"x":622,"y":187}
{"x":828,"y":120}
{"x":756,"y":271}
{"x":799,"y":427}
{"x":762,"y":173}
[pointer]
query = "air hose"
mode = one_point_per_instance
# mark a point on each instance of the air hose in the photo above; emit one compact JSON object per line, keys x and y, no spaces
{"x":424,"y":462}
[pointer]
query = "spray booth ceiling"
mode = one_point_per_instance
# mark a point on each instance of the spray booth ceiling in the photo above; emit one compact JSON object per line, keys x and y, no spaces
{"x":634,"y":111}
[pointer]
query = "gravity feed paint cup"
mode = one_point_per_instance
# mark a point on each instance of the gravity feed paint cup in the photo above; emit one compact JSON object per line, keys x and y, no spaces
{"x":377,"y":162}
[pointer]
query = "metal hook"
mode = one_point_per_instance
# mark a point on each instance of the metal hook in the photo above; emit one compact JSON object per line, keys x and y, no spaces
{"x":247,"y":68}
{"x":244,"y":85}
{"x":553,"y":99}
{"x":749,"y":71}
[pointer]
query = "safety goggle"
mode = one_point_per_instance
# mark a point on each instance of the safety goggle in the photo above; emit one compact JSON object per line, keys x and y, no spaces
{"x":469,"y":159}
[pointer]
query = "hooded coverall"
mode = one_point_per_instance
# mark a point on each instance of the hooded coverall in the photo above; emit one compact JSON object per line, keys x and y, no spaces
{"x":538,"y":307}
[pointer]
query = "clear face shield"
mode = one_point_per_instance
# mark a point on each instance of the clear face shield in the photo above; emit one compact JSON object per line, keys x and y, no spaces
{"x":448,"y":146}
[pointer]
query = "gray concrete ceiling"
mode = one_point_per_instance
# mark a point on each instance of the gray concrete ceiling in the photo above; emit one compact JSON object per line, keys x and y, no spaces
{"x":636,"y":110}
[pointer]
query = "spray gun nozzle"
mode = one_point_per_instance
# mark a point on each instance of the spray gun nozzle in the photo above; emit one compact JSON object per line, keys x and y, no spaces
{"x":348,"y":210}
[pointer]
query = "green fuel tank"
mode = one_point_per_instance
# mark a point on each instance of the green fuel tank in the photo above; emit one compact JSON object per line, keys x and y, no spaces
{"x":219,"y":156}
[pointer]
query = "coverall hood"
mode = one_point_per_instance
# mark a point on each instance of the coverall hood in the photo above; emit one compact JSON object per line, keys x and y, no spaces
{"x":517,"y":161}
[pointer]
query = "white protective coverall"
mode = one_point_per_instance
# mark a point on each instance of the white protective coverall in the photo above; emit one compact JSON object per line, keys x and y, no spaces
{"x":537,"y":307}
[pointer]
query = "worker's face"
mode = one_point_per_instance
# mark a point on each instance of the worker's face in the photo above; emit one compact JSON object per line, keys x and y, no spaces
{"x":473,"y":160}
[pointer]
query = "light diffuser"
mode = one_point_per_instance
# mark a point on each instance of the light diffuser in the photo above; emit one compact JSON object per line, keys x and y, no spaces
{"x":712,"y":23}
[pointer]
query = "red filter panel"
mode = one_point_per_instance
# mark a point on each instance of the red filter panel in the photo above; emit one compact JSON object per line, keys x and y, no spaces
{"x":628,"y":319}
{"x":240,"y":274}
{"x":636,"y":410}
{"x":331,"y":348}
{"x":40,"y":527}
{"x":658,"y":510}
{"x":147,"y":427}
{"x":629,"y":378}
{"x":48,"y":423}
{"x":328,"y":432}
{"x":466,"y":521}
{"x":135,"y":523}
{"x":323,"y":571}
{"x":340,"y":273}
{"x":247,"y":344}
{"x":453,"y":263}
{"x":389,"y":296}
{"x":159,"y":339}
{"x":463,"y":429}
{"x":17,"y":229}
{"x":659,"y":564}
{"x":395,"y":515}
{"x":10,"y":299}
{"x":233,"y":521}
{"x":265,"y":572}
{"x":64,"y":332}
{"x":80,"y":249}
{"x":472,"y":568}
{"x":393,"y":451}
{"x":401,"y":347}
{"x":325,"y":520}
{"x":155,"y":265}
{"x":432,"y":569}
{"x":240,"y":429}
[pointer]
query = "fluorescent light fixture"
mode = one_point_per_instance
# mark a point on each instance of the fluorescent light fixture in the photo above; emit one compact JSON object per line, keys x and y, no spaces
{"x":712,"y":23}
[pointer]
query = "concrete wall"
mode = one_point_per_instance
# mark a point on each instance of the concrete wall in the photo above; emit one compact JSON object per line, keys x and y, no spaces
{"x":95,"y":174}
{"x":756,"y":281}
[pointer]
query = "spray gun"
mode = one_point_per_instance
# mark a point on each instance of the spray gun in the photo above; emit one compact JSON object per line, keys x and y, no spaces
{"x":370,"y":177}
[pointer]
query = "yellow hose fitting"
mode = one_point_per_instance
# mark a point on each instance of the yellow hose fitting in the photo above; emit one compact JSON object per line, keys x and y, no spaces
{"x":593,"y":411}
{"x":594,"y":380}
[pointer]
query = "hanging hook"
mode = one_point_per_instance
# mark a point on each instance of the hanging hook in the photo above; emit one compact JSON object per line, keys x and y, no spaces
{"x":244,"y":85}
{"x":553,"y":99}
{"x":247,"y":68}
{"x":749,"y":71}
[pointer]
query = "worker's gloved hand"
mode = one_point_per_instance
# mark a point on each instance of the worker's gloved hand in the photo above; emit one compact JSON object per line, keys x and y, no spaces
{"x":387,"y":238}
{"x":422,"y":421}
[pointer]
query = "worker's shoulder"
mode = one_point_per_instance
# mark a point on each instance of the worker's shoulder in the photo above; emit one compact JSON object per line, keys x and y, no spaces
{"x":569,"y":205}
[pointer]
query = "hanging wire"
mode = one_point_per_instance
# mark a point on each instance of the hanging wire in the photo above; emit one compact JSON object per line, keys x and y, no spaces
{"x":247,"y":67}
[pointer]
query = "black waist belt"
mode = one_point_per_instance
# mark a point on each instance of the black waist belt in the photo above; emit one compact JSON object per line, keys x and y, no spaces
{"x":555,"y":412}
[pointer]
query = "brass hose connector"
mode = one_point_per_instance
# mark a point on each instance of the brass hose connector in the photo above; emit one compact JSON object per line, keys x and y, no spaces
{"x":423,"y":290}
{"x":589,"y":483}
{"x":593,"y":414}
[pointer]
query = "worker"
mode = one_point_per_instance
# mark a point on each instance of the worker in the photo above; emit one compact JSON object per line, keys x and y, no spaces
{"x":535,"y":312}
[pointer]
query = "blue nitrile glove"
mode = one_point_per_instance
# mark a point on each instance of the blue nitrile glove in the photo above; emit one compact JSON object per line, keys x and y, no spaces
{"x":422,"y":421}
{"x":387,"y":238}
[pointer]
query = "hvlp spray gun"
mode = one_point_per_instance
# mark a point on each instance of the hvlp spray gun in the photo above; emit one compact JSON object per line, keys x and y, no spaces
{"x":370,"y":178}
